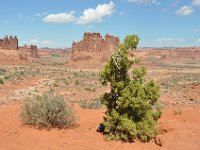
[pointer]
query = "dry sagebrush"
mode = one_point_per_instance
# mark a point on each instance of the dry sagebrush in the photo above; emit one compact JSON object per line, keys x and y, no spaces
{"x":47,"y":111}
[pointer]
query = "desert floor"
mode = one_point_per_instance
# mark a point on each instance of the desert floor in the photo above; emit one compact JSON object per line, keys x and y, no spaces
{"x":179,"y":125}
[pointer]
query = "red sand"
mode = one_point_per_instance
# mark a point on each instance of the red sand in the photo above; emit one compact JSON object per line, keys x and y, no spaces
{"x":180,"y":131}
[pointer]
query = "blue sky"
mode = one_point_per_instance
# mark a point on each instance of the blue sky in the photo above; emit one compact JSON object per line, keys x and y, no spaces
{"x":57,"y":23}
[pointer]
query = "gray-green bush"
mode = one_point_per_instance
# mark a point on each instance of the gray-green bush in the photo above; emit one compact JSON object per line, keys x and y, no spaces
{"x":91,"y":104}
{"x":48,"y":111}
{"x":1,"y":80}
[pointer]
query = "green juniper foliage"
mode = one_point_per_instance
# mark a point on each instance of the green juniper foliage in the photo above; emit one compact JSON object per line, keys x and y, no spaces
{"x":131,"y":110}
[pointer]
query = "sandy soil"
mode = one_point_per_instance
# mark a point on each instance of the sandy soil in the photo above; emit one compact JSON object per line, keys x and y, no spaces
{"x":82,"y":137}
{"x":179,"y":126}
{"x":178,"y":131}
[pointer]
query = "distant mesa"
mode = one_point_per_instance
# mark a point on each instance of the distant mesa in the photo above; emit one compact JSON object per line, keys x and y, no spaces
{"x":93,"y":48}
{"x":9,"y":43}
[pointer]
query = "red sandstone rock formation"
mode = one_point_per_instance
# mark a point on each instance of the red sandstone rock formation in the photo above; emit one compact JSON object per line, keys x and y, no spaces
{"x":92,"y":42}
{"x":111,"y":42}
{"x":9,"y":43}
{"x":93,"y":48}
{"x":33,"y":51}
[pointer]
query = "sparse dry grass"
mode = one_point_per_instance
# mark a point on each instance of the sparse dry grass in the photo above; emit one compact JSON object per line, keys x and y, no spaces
{"x":48,"y":111}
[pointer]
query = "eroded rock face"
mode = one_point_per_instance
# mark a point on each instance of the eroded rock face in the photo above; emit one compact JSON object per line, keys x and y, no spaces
{"x":111,"y":42}
{"x":9,"y":43}
{"x":33,"y":51}
{"x":92,"y":42}
{"x":94,"y":48}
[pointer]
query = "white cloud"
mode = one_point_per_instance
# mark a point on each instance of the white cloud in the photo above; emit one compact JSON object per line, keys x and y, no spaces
{"x":198,"y":40}
{"x":60,"y":18}
{"x":47,"y":43}
{"x":42,"y":42}
{"x":89,"y":16}
{"x":34,"y":41}
{"x":145,"y":1}
{"x":185,"y":11}
{"x":196,"y":2}
{"x":92,"y":15}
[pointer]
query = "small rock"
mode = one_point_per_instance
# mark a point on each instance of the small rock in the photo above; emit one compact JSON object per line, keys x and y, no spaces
{"x":191,"y":99}
{"x":160,"y":140}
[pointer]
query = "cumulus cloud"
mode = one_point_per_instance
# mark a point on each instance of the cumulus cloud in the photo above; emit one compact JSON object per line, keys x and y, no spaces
{"x":38,"y":42}
{"x":144,"y":1}
{"x":92,"y":15}
{"x":34,"y":41}
{"x":47,"y":43}
{"x":196,"y":2}
{"x":185,"y":11}
{"x":60,"y":18}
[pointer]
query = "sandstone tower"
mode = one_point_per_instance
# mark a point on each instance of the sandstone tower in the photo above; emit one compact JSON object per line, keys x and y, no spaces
{"x":33,"y":51}
{"x":9,"y":43}
{"x":94,"y":48}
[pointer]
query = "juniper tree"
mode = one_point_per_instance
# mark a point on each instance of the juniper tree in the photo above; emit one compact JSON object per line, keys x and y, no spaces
{"x":131,"y":111}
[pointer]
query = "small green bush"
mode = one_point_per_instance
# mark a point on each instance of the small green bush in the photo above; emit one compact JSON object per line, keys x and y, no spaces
{"x":48,"y":111}
{"x":131,"y":103}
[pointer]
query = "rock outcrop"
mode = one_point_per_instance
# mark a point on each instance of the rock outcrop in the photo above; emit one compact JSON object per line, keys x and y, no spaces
{"x":94,"y":48}
{"x":9,"y":43}
{"x":33,"y":51}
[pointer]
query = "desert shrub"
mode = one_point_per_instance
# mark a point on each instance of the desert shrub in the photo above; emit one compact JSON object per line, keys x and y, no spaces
{"x":131,"y":111}
{"x":48,"y":111}
{"x":1,"y":80}
{"x":2,"y":71}
{"x":180,"y":79}
{"x":91,"y":104}
{"x":76,"y":82}
{"x":91,"y":89}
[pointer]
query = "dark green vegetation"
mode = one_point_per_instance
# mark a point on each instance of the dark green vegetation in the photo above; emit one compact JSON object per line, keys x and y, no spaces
{"x":131,"y":110}
{"x":48,"y":111}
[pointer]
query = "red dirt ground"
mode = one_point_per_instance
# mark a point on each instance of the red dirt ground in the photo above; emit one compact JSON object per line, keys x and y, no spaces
{"x":178,"y":132}
{"x":179,"y":127}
